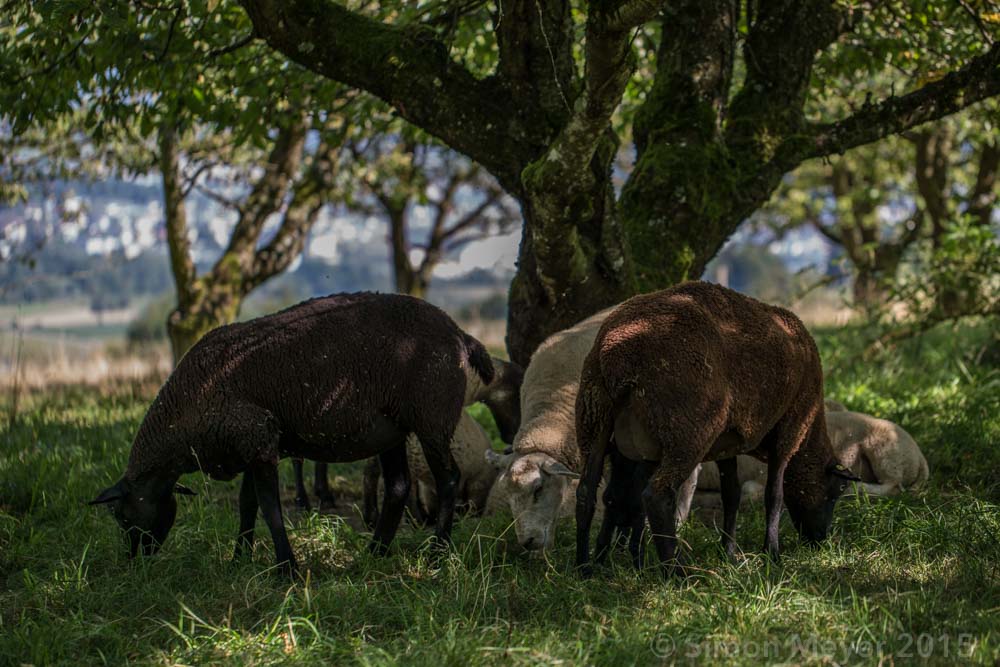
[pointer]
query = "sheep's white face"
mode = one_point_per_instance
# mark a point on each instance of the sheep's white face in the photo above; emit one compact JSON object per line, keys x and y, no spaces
{"x":535,"y":486}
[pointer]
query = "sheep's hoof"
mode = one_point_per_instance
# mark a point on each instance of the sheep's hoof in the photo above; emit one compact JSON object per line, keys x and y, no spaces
{"x":327,"y":502}
{"x":378,"y":548}
{"x":676,"y":568}
{"x":302,"y":503}
{"x":586,"y":571}
{"x":288,"y":570}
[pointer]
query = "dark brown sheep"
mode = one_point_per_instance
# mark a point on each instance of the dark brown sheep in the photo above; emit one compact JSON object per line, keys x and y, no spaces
{"x":699,"y":373}
{"x":503,"y":398}
{"x":340,"y":378}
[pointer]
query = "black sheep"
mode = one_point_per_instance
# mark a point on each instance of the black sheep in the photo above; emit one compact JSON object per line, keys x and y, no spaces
{"x":503,"y":398}
{"x":339,"y":378}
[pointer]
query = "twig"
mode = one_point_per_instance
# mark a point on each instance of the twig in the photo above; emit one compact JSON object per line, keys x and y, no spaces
{"x":235,"y":46}
{"x":977,"y":19}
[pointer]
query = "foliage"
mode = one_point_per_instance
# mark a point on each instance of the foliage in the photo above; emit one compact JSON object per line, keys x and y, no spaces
{"x":924,"y":563}
{"x":150,"y":325}
{"x":888,"y":204}
{"x":958,"y":277}
{"x":720,"y":98}
{"x":406,"y":182}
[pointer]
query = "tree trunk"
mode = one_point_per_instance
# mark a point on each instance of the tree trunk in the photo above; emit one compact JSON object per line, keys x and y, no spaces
{"x":867,"y":289}
{"x":571,"y":262}
{"x":213,"y":306}
{"x":708,"y":153}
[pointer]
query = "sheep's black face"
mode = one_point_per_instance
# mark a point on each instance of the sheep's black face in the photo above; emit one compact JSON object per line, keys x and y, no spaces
{"x":507,"y":415}
{"x":813,"y":521}
{"x":504,"y":401}
{"x":145,"y":517}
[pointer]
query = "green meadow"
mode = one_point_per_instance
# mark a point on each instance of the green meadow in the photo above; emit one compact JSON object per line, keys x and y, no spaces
{"x":913,"y":578}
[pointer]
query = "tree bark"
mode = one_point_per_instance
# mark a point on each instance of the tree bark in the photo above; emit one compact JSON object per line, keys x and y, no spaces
{"x":214,"y":299}
{"x":707,"y":156}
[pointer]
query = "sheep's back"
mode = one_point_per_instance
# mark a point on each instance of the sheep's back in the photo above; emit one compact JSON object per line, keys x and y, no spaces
{"x":548,"y":393}
{"x":701,"y":339}
{"x":330,"y":366}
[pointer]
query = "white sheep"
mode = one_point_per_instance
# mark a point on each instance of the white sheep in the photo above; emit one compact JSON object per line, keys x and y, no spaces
{"x":469,"y":447}
{"x":538,"y":478}
{"x":880,"y":452}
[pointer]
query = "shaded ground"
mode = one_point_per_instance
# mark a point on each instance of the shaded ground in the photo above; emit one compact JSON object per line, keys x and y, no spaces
{"x":908,"y":579}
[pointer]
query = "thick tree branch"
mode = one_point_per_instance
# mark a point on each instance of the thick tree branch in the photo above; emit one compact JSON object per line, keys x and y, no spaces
{"x":268,"y":193}
{"x":565,"y":174}
{"x":978,"y":80}
{"x":632,"y":14}
{"x":535,"y":40}
{"x":219,"y":199}
{"x":179,"y":245}
{"x":409,"y":69}
{"x":309,"y":195}
{"x":828,"y":232}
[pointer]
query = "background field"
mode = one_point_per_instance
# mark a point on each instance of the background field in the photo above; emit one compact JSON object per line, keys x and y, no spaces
{"x":902,"y":579}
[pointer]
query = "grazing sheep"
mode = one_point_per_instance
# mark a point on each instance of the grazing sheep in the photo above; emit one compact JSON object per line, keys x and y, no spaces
{"x":698,"y":373}
{"x":468,"y":447}
{"x":881,"y":453}
{"x":503,"y":398}
{"x":340,"y":378}
{"x":833,"y":406}
{"x":321,"y":486}
{"x":537,"y":479}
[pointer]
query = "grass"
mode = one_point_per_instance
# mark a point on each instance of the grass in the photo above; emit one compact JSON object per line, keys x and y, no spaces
{"x":909,"y":579}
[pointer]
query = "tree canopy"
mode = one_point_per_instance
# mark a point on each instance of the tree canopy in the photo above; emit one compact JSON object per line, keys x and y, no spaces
{"x":720,"y":98}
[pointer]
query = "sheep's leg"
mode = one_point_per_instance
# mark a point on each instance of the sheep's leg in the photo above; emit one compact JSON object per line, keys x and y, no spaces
{"x":321,"y":487}
{"x":301,"y":497}
{"x":595,"y":425}
{"x":446,"y":478}
{"x":661,"y":507}
{"x":616,"y":505}
{"x":774,"y":500}
{"x":643,"y":472}
{"x":265,"y":481}
{"x":426,"y":503}
{"x":586,"y":501}
{"x":416,"y":508}
{"x":729,"y":481}
{"x":396,"y":480}
{"x":663,"y":499}
{"x":369,"y":493}
{"x":248,"y":516}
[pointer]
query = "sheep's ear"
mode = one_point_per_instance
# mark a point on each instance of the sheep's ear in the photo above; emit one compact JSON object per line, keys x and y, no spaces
{"x":558,"y":469}
{"x":183,"y":490}
{"x":842,"y":471}
{"x":109,"y":495}
{"x":497,"y":460}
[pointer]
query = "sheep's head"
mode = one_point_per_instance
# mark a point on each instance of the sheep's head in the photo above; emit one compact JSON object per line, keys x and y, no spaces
{"x":503,"y":398}
{"x":145,"y":513}
{"x":811,"y":507}
{"x":535,"y":485}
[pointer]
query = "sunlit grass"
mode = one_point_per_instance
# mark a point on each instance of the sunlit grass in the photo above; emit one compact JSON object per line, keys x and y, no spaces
{"x":924,"y":567}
